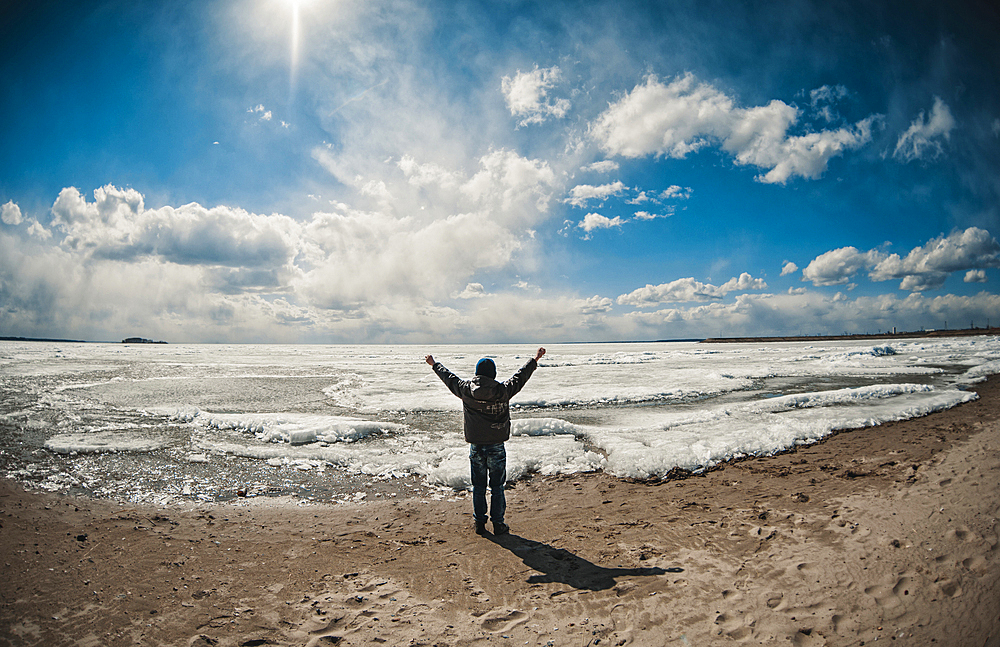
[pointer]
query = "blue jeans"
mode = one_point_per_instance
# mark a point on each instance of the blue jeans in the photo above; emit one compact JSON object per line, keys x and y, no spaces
{"x":489,"y":465}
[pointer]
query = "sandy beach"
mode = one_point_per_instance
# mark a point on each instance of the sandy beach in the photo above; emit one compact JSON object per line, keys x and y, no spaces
{"x":875,"y":535}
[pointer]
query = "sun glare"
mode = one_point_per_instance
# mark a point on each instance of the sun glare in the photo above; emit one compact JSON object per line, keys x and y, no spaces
{"x":295,"y":44}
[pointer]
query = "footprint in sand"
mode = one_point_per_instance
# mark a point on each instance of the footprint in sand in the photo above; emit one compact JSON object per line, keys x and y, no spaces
{"x":974,"y":563}
{"x":504,"y":622}
{"x":732,"y":626}
{"x":891,"y":596}
{"x":951,"y":588}
{"x":961,"y":534}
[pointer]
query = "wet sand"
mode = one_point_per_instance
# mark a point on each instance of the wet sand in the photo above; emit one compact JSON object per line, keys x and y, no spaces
{"x":875,"y":535}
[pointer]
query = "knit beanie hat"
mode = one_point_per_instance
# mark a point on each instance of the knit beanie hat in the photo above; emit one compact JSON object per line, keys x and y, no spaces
{"x":486,"y":367}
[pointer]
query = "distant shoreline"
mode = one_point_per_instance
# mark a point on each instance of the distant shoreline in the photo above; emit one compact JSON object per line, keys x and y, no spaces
{"x":965,"y":332}
{"x":130,"y":340}
{"x":58,"y":341}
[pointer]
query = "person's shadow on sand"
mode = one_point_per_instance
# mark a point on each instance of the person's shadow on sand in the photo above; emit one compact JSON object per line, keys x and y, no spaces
{"x":560,"y":565}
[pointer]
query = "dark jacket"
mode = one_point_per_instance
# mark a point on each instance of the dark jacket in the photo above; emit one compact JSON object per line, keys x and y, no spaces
{"x":486,"y":402}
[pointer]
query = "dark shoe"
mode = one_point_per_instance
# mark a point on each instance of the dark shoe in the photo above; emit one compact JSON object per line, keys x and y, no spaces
{"x":500,"y":528}
{"x":481,"y":528}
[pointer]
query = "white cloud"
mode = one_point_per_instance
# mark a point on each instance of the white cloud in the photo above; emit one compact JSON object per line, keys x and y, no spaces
{"x":514,"y":189}
{"x":38,"y":231}
{"x":427,"y":174}
{"x":744,"y":282}
{"x":924,"y":268}
{"x":789,"y":268}
{"x":117,"y":225}
{"x":471,"y":291}
{"x":603,"y":166}
{"x":581,"y":194}
{"x":838,"y":266}
{"x":922,"y":140}
{"x":821,"y":99}
{"x":675,"y":192}
{"x":595,"y":305}
{"x":827,"y":94}
{"x":264,"y":114}
{"x":683,"y":116}
{"x":594,"y":221}
{"x":671,"y":120}
{"x":645,"y":215}
{"x":804,"y":155}
{"x":809,"y":313}
{"x":688,"y":289}
{"x":10,"y":214}
{"x":413,"y":259}
{"x":975,"y":276}
{"x":527,"y":95}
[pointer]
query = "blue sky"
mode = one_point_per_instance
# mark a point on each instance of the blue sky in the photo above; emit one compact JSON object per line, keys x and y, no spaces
{"x":396,"y":171}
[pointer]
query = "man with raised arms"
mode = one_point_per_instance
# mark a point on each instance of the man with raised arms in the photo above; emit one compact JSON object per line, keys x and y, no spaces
{"x":487,"y":427}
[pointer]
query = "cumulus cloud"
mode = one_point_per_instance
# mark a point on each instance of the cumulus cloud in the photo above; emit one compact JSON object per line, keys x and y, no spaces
{"x":923,"y":139}
{"x":527,"y":95}
{"x":336,"y":268}
{"x":471,"y":291}
{"x":603,"y":166}
{"x":680,"y":117}
{"x":803,"y":313}
{"x":38,"y":231}
{"x":581,"y":194}
{"x":923,"y":268}
{"x":838,"y":266}
{"x":675,"y":192}
{"x":514,"y":189}
{"x":10,"y":214}
{"x":594,"y":221}
{"x":789,"y":268}
{"x":117,"y":225}
{"x":926,"y":267}
{"x":474,"y":223}
{"x":688,"y":289}
{"x":427,"y":174}
{"x":975,"y":276}
{"x":595,"y":305}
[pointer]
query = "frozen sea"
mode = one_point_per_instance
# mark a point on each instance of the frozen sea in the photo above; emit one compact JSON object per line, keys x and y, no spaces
{"x":185,"y":423}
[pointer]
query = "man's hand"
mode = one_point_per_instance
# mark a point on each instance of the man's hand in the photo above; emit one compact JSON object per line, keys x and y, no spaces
{"x":429,"y":359}
{"x":541,"y":351}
